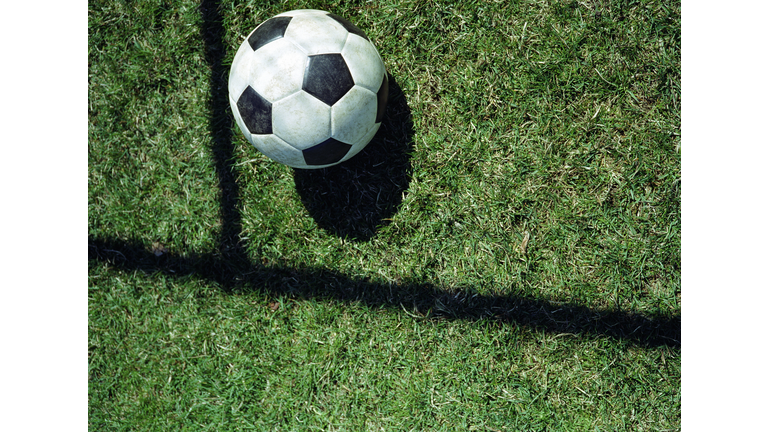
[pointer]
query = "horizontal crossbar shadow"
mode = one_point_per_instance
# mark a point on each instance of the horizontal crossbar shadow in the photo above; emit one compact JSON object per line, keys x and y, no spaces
{"x":425,"y":299}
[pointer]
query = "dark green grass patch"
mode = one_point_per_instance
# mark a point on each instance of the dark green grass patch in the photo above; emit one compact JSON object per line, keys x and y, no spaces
{"x":504,"y":256}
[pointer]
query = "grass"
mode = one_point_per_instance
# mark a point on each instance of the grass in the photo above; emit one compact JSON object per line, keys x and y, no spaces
{"x":505,"y":255}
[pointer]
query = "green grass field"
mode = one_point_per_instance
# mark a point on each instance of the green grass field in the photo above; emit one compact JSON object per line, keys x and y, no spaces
{"x":503,"y":256}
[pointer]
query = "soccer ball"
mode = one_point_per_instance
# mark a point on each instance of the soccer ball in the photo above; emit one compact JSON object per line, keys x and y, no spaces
{"x":308,"y":89}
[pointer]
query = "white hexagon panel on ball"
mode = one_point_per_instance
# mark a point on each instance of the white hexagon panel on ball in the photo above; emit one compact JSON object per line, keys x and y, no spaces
{"x":353,"y":115}
{"x":308,"y":89}
{"x":301,"y":120}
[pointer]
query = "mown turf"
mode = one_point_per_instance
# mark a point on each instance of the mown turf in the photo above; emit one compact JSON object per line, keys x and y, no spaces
{"x":505,"y":255}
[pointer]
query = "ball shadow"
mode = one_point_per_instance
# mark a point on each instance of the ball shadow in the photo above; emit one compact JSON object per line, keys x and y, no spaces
{"x":355,"y":198}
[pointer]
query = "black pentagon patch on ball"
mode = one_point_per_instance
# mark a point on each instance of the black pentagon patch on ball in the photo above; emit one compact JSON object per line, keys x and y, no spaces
{"x":271,"y":30}
{"x":327,"y":77}
{"x":255,"y":111}
{"x":327,"y":152}
{"x":382,"y":95}
{"x":348,"y":26}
